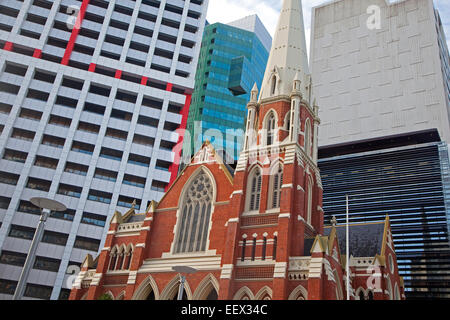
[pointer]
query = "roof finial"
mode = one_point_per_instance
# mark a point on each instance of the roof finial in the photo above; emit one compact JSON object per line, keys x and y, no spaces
{"x":334,"y":221}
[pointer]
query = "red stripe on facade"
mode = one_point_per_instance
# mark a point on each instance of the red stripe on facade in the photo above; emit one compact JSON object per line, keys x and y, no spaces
{"x":8,"y":46}
{"x":92,"y":67}
{"x":169,"y":87}
{"x":173,"y":169}
{"x":144,"y":81}
{"x":75,"y":31}
{"x":37,"y":53}
{"x":118,"y":74}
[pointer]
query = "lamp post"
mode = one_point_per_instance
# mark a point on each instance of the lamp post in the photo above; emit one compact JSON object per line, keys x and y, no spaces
{"x":181,"y":270}
{"x":46,"y":206}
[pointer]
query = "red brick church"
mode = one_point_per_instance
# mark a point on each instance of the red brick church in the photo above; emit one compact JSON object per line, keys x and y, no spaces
{"x":255,"y":232}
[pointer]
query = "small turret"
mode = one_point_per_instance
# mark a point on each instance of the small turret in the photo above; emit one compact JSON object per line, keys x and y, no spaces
{"x":254,"y":94}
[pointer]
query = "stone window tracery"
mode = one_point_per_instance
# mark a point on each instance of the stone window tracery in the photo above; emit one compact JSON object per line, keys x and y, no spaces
{"x":195,"y":216}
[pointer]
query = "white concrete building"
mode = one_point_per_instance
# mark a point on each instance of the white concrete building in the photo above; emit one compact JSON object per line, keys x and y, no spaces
{"x":87,"y":117}
{"x":379,"y":69}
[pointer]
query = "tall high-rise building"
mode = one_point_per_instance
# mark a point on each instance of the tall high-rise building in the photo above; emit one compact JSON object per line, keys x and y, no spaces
{"x":381,"y":77}
{"x":91,"y":93}
{"x":233,"y":58}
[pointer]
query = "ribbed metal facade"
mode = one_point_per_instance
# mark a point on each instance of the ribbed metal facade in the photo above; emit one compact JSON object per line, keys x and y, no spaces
{"x":405,"y":183}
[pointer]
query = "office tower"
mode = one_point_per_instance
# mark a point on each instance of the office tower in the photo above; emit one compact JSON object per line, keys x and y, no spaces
{"x":232,"y":59}
{"x":381,"y":77}
{"x":89,"y":107}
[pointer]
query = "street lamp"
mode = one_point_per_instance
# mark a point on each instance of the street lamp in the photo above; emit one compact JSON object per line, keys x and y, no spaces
{"x":46,"y":206}
{"x":181,"y":270}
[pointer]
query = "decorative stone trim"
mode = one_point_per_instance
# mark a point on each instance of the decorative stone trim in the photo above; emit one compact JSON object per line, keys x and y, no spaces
{"x":129,"y":227}
{"x":284,"y":215}
{"x":315,"y":267}
{"x":96,"y":279}
{"x":140,"y":245}
{"x":132,"y":277}
{"x":290,"y":185}
{"x":280,"y":270}
{"x":226,"y":271}
{"x":148,"y":219}
{"x":111,"y":232}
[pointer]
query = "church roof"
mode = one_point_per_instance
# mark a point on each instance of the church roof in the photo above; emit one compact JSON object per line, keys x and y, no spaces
{"x":366,"y":240}
{"x":136,"y":218}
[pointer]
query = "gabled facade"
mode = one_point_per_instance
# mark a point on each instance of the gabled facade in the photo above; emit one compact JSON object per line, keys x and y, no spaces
{"x":255,"y":233}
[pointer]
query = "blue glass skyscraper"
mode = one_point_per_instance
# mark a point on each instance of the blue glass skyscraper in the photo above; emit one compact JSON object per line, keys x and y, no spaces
{"x":232,"y":59}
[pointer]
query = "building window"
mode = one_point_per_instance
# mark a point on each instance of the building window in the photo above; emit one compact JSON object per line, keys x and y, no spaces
{"x":264,"y":248}
{"x":38,"y":291}
{"x":67,"y":215}
{"x":100,"y":196}
{"x":22,"y":134}
{"x":308,"y":137}
{"x":309,"y":203}
{"x":274,"y":252}
{"x":271,"y":126}
{"x":254,"y":249}
{"x":13,"y":258}
{"x":93,"y":219}
{"x":277,"y":182}
{"x":47,"y":264}
{"x":68,"y":190}
{"x":45,"y":162}
{"x":28,"y":207}
{"x":38,"y":184}
{"x":254,"y":193}
{"x":4,"y":202}
{"x":105,"y":175}
{"x":56,"y":238}
{"x":193,"y":224}
{"x":14,"y":155}
{"x":7,"y":286}
{"x":9,"y":178}
{"x":244,"y":244}
{"x":86,"y":243}
{"x":273,"y":85}
{"x":76,"y":168}
{"x":21,"y":232}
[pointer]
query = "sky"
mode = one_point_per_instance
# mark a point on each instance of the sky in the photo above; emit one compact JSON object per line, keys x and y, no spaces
{"x":268,"y":10}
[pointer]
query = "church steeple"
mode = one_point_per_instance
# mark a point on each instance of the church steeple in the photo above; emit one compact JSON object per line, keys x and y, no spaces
{"x":288,"y":55}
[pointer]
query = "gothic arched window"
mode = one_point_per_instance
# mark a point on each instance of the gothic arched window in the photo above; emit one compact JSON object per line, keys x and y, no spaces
{"x":276,"y":183}
{"x":308,"y":137}
{"x":271,"y":126}
{"x":309,"y":203}
{"x":195,"y":216}
{"x":254,"y":193}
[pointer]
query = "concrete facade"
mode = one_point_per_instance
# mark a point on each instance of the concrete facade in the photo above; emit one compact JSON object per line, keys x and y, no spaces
{"x":372,"y":82}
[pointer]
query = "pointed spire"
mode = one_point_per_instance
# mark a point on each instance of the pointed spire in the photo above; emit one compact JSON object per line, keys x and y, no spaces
{"x":288,"y":55}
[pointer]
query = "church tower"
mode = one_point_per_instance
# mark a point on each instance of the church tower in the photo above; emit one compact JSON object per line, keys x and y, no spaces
{"x":276,"y":204}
